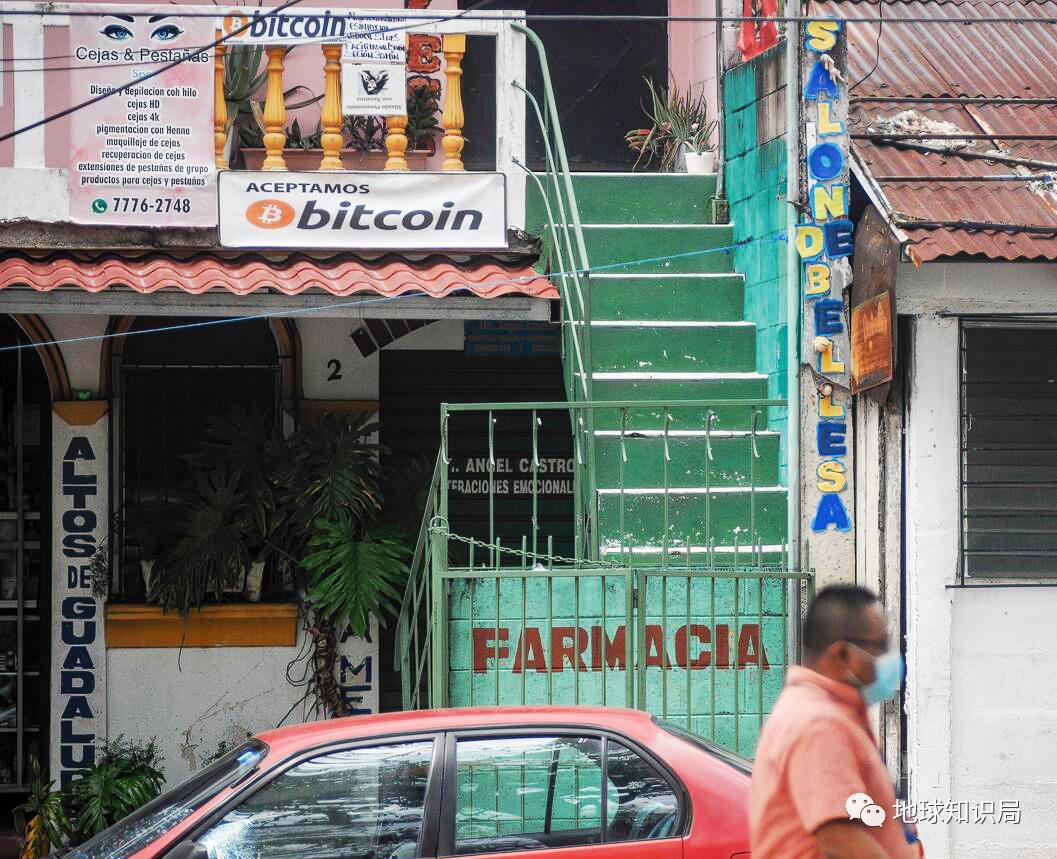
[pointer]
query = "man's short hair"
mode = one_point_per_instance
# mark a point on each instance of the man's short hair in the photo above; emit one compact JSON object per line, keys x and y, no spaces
{"x":838,"y":613}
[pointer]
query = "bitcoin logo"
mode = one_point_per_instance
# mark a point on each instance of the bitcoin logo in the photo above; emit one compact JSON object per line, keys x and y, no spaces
{"x":233,"y":22}
{"x":270,"y":214}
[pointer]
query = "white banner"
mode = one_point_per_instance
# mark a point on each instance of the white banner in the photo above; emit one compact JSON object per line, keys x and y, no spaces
{"x":78,"y":646}
{"x":373,"y":90}
{"x":144,"y":156}
{"x":375,"y":36}
{"x":362,"y":211}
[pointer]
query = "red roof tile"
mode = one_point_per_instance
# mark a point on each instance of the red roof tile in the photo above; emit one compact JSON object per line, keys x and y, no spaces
{"x":944,"y":60}
{"x":288,"y":275}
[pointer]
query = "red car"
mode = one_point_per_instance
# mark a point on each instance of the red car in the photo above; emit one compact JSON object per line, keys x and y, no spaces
{"x":552,"y":782}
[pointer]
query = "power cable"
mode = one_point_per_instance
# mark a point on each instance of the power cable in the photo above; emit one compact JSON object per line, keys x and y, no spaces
{"x":301,"y":311}
{"x":877,"y":48}
{"x":137,"y":81}
{"x":198,"y":52}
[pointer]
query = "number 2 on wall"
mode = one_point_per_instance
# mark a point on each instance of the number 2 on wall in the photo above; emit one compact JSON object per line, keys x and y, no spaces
{"x":334,"y":365}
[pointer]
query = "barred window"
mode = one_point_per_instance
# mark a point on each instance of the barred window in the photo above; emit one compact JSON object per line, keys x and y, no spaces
{"x":1009,"y":449}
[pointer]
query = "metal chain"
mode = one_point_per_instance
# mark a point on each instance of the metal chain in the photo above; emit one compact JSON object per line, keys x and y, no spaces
{"x":442,"y":531}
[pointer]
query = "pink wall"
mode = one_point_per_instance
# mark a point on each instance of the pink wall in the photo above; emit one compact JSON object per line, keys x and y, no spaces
{"x":304,"y":66}
{"x":692,"y":49}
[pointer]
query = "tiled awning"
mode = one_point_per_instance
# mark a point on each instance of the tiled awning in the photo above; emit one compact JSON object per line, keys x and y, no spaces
{"x":291,"y":274}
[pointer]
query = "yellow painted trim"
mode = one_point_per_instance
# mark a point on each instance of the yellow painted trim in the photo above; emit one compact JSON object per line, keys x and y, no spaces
{"x":236,"y":625}
{"x":80,"y":413}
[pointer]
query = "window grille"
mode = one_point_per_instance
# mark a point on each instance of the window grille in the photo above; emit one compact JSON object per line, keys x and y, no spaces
{"x":1009,"y":450}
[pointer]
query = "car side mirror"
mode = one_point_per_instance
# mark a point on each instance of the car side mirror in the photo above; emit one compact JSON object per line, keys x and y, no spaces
{"x":188,"y":850}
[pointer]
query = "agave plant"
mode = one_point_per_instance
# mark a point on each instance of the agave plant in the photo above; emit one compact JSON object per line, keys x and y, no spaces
{"x":678,"y":121}
{"x":243,"y":79}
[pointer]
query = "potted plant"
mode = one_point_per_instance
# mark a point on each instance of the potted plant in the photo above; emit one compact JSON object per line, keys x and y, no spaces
{"x":680,"y":133}
{"x":364,"y":147}
{"x":148,"y":525}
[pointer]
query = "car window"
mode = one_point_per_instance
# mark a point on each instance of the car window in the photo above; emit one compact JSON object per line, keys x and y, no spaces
{"x":354,"y":804}
{"x":525,"y":793}
{"x":646,"y":807}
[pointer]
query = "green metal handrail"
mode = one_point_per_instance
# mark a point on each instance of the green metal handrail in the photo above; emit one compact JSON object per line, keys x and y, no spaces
{"x":571,"y":269}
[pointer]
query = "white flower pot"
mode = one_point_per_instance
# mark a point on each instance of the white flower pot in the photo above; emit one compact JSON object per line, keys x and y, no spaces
{"x":254,"y":580}
{"x":700,"y":162}
{"x":146,"y":569}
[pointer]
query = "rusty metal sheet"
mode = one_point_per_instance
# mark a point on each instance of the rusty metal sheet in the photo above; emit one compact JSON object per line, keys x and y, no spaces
{"x":942,"y":60}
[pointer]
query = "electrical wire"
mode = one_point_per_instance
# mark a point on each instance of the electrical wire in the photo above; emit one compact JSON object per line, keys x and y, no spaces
{"x":198,"y":52}
{"x":877,"y":48}
{"x":301,"y":311}
{"x":778,"y":19}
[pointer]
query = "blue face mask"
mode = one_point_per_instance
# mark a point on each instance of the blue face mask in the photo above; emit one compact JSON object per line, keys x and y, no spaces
{"x":888,"y":678}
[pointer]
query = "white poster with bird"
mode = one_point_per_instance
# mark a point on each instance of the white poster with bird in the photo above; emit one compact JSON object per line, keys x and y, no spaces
{"x":376,"y":89}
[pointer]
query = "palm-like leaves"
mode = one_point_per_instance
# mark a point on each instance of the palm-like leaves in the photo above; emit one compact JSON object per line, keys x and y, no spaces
{"x":209,"y":553}
{"x":353,"y":576}
{"x":47,"y":818}
{"x":125,"y":777}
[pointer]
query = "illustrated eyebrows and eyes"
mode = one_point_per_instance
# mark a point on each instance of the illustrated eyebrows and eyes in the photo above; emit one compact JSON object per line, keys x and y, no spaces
{"x":118,"y":32}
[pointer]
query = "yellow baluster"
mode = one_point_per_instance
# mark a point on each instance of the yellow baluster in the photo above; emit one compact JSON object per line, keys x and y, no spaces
{"x":452,"y":119}
{"x":396,"y":142}
{"x":220,"y":107}
{"x":396,"y":138}
{"x":331,"y":139}
{"x":274,"y":111}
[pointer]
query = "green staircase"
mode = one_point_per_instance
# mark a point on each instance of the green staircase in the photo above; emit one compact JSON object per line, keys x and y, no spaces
{"x":666,"y":329}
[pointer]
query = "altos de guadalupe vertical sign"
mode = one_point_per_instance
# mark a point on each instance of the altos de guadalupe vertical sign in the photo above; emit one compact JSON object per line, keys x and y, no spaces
{"x":143,"y":155}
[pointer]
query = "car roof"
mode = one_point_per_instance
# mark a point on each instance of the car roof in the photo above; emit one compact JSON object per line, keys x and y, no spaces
{"x":310,"y":734}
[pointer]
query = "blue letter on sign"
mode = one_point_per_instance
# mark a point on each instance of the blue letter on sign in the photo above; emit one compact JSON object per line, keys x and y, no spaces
{"x":825,"y":161}
{"x":831,"y":438}
{"x":840,"y":238}
{"x":828,"y":316}
{"x":831,"y":511}
{"x":819,"y":81}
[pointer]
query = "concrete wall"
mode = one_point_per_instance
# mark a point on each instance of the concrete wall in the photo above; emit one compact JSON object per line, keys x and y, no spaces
{"x":692,"y":50}
{"x":755,"y":175}
{"x":982,"y":661}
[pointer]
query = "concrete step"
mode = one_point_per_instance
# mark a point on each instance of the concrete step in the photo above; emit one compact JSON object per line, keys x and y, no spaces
{"x":674,"y":346}
{"x":732,"y":463}
{"x":628,"y":198}
{"x":726,"y":515}
{"x":692,"y":297}
{"x":616,"y":249}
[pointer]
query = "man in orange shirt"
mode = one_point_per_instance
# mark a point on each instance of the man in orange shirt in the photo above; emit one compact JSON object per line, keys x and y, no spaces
{"x":819,"y":787}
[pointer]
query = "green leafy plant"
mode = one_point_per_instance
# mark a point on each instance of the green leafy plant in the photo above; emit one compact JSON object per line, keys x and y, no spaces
{"x":209,"y":553}
{"x":125,"y":776}
{"x":679,"y":121}
{"x":41,"y":821}
{"x":244,"y":77}
{"x":353,"y":575}
{"x":297,"y":139}
{"x":422,"y":124}
{"x":364,"y":134}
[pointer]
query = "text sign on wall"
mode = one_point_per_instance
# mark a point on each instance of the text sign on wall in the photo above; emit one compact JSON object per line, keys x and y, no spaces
{"x":368,"y":35}
{"x":357,"y":671}
{"x":824,"y":241}
{"x":143,"y":156}
{"x":366,"y":211}
{"x":78,"y":648}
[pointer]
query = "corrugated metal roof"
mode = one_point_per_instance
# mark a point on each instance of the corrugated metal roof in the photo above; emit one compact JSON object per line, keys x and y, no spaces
{"x":945,"y":60}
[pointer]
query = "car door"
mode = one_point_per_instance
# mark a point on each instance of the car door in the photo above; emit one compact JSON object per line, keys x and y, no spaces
{"x":554,"y":793}
{"x":370,"y":801}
